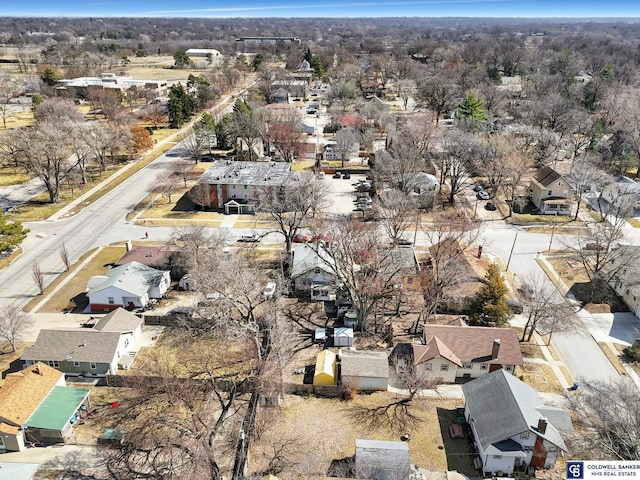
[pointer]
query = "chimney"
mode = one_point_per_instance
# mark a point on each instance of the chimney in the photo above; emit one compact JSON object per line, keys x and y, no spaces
{"x":37,"y":369}
{"x":495,"y":349}
{"x":542,"y":425}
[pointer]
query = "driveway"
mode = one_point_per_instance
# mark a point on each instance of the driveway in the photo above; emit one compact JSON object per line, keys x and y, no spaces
{"x":342,"y":194}
{"x":621,"y":327}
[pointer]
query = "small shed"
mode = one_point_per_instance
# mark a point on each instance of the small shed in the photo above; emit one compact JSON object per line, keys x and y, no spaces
{"x":343,"y":337}
{"x":364,"y":370}
{"x":383,"y":460}
{"x":320,"y":335}
{"x":326,"y":368}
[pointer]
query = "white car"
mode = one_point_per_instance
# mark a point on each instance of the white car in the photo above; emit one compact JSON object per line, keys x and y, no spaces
{"x":482,"y":195}
{"x":269,"y":290}
{"x":249,"y":237}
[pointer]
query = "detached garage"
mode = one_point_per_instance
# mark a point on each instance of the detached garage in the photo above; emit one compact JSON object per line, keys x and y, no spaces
{"x":364,"y":370}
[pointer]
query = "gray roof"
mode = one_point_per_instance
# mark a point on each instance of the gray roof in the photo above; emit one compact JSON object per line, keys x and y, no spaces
{"x":119,"y":320}
{"x":502,"y":406}
{"x":382,"y":460}
{"x":306,"y":259}
{"x":81,"y":345}
{"x":362,"y":363}
{"x":131,"y":277}
{"x":228,"y":172}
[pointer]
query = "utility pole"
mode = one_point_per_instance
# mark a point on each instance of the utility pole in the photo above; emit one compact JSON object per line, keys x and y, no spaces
{"x":511,"y":252}
{"x":553,"y":229}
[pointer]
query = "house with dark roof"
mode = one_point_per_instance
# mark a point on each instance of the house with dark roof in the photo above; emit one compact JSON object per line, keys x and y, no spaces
{"x":37,"y":406}
{"x":512,"y":427}
{"x":551,"y":193}
{"x":131,"y":285}
{"x":364,"y":370}
{"x":451,"y":352}
{"x":89,"y":352}
{"x":155,"y":256}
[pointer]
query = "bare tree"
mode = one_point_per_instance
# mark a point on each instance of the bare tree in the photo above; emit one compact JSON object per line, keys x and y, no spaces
{"x":460,"y":150}
{"x":64,"y":256}
{"x":293,"y":203}
{"x":286,"y":138}
{"x":58,"y":110}
{"x":346,"y":142}
{"x":547,"y":312}
{"x":196,"y":143}
{"x":437,"y":94}
{"x":246,"y":125}
{"x":359,"y":259}
{"x":584,"y":177}
{"x":38,"y":276}
{"x":406,"y":90}
{"x":608,"y":412}
{"x":13,"y":324}
{"x":396,"y":212}
{"x":8,"y":89}
{"x":44,"y":153}
{"x":166,"y":186}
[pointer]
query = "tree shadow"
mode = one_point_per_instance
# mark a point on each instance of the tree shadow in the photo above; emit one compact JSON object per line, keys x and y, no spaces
{"x":73,"y":466}
{"x":81,"y":302}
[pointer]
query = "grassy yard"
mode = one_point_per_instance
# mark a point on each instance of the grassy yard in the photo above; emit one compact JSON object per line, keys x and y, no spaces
{"x":12,"y":176}
{"x":311,"y":425}
{"x":540,"y":377}
{"x":634,"y":222}
{"x":78,"y":279}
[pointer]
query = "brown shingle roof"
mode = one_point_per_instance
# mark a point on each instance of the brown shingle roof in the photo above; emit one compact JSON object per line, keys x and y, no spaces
{"x":23,"y":392}
{"x":474,"y":344}
{"x":434,"y":348}
{"x":546,"y":176}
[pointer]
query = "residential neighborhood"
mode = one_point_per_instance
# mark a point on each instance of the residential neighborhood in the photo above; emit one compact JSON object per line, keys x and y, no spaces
{"x":376,"y":249}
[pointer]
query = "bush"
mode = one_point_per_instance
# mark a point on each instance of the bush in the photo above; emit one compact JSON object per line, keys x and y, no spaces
{"x":631,"y":354}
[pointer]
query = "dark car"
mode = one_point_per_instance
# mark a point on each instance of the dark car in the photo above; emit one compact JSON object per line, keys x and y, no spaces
{"x":490,"y":206}
{"x":404,"y":242}
{"x":337,"y":175}
{"x":596,"y":246}
{"x":346,"y":176}
{"x":477,"y":188}
{"x":515,"y":306}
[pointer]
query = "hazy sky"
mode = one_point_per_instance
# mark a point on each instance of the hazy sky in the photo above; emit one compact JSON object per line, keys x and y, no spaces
{"x":323,"y":8}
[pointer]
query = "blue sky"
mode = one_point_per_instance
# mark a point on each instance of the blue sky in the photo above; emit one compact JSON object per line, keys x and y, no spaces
{"x":323,"y":8}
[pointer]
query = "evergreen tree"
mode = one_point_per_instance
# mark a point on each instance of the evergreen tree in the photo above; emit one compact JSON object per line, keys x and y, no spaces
{"x":489,"y":307}
{"x":257,"y":61}
{"x":471,"y":108}
{"x":180,"y":106}
{"x":223,"y":135}
{"x":181,"y":59}
{"x":11,"y":233}
{"x":317,"y":67}
{"x":308,"y":56}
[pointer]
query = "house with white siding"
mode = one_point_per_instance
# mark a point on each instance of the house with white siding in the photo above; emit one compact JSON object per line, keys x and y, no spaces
{"x":512,"y":427}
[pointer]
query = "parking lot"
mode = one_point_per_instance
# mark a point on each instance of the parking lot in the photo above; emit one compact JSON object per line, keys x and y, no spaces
{"x":342,"y":194}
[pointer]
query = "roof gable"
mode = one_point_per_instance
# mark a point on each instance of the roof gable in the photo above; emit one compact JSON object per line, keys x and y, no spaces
{"x":132,"y":277}
{"x":306,"y":259}
{"x":119,"y":320}
{"x":546,"y":176}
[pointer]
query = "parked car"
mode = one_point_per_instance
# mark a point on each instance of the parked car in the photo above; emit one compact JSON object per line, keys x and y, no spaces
{"x":477,"y":188}
{"x":249,"y":237}
{"x":269,"y":290}
{"x":490,"y":206}
{"x":298,"y":238}
{"x":346,"y":176}
{"x":596,"y":246}
{"x":320,"y":238}
{"x":337,"y":175}
{"x":515,"y":306}
{"x":404,"y":241}
{"x":482,"y":195}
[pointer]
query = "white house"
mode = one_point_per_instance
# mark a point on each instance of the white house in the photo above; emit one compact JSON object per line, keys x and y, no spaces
{"x":131,"y":285}
{"x":626,"y":282}
{"x":311,"y":271}
{"x":511,"y":426}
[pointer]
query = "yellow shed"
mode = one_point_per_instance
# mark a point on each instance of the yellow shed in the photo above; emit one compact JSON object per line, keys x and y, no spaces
{"x":326,"y":368}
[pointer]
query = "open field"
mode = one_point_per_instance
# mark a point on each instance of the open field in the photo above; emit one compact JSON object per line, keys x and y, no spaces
{"x":12,"y":176}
